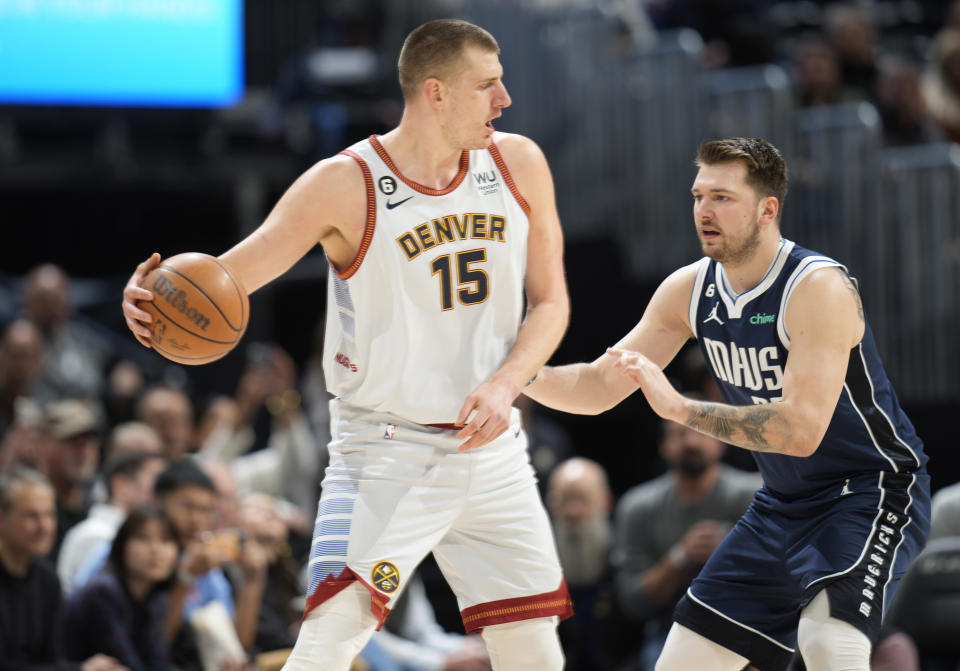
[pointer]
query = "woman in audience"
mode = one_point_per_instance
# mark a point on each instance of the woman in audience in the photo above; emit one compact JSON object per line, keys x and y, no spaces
{"x":122,"y":610}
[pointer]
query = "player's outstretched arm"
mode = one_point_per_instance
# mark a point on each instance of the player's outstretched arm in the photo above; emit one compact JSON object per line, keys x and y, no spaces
{"x":325,"y":205}
{"x":820,"y":344}
{"x":548,"y":305}
{"x":594,"y":387}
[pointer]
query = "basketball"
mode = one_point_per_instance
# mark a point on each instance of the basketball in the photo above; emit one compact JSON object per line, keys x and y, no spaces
{"x":200,"y":310}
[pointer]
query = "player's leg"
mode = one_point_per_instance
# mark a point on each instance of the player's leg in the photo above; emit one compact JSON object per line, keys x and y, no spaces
{"x":386,"y":501}
{"x":334,"y":632}
{"x":501,"y":561}
{"x":686,"y":650}
{"x":744,"y":600}
{"x":830,"y":644}
{"x":527,"y":645}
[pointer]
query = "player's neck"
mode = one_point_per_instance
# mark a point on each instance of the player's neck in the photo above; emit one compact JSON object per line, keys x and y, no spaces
{"x":748,"y":273}
{"x":421,"y":152}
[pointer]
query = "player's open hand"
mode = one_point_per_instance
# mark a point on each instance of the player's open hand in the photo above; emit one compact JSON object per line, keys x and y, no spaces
{"x":136,"y":318}
{"x":485,"y":414}
{"x":660,"y":394}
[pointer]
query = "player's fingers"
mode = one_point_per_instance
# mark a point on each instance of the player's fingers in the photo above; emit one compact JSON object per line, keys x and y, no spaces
{"x":468,"y":406}
{"x":134,"y":293}
{"x":138,"y":329}
{"x":149,"y":263}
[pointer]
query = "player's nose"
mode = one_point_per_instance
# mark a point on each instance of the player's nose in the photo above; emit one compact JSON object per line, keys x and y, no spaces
{"x":503,"y":99}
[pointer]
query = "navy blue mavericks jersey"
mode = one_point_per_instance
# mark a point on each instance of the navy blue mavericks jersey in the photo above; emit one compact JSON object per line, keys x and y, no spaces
{"x":745,"y":343}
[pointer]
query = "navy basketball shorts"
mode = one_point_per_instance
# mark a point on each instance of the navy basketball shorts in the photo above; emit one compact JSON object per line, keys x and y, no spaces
{"x":855,"y":539}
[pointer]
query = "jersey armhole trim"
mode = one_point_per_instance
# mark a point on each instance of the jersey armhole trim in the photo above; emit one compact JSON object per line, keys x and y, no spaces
{"x":702,"y":266}
{"x":508,"y":178}
{"x":806,"y":266}
{"x":348,"y":272}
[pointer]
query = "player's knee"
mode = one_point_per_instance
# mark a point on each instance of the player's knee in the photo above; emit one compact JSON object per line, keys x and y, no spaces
{"x":830,"y":644}
{"x":334,"y":633}
{"x":528,"y":645}
{"x":685,"y":649}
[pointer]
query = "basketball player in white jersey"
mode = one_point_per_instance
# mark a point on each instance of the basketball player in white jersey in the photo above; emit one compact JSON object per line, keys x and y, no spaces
{"x":434,"y":232}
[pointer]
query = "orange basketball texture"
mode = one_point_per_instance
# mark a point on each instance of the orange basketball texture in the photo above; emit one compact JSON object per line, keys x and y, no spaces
{"x":200,"y":310}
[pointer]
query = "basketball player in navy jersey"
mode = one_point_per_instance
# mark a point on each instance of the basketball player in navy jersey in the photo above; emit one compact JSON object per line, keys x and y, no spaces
{"x":435,"y":233}
{"x":845,"y":502}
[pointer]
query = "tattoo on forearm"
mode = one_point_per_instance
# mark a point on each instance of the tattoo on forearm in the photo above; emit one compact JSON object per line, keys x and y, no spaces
{"x":852,"y":288}
{"x":743,"y":425}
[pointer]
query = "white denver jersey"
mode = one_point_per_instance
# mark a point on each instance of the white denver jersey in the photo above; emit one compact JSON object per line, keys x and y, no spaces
{"x":431,"y":305}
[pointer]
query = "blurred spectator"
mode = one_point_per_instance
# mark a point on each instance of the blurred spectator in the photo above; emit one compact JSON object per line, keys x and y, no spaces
{"x":952,"y":15}
{"x":70,"y":456}
{"x":130,"y":477}
{"x":941,"y":85}
{"x":188,"y":497}
{"x":667,"y":528}
{"x":132,"y":437}
{"x":21,"y":367}
{"x":169,"y":412}
{"x":122,"y":611}
{"x":30,"y":607}
{"x":852,"y":36}
{"x":817,"y":75}
{"x":945,"y":512}
{"x":735,"y":32}
{"x":74,"y":356}
{"x":289,"y":466}
{"x":580,"y":501}
{"x":281,"y":610}
{"x":125,"y":384}
{"x":899,"y":100}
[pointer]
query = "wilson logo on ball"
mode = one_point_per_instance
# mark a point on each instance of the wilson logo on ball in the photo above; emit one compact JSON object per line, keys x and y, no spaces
{"x":177,"y":298}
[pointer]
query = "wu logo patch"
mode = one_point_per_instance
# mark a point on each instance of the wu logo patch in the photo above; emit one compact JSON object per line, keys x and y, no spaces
{"x":713,"y":314}
{"x":385,"y":577}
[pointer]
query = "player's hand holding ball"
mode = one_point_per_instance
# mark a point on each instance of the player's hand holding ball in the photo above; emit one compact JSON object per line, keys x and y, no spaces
{"x":189,"y":307}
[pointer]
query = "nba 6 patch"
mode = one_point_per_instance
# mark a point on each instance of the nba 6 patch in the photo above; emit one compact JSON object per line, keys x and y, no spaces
{"x":389,"y":430}
{"x":385,"y":577}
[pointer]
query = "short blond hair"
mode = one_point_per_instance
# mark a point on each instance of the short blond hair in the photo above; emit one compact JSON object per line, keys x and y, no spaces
{"x":435,"y":48}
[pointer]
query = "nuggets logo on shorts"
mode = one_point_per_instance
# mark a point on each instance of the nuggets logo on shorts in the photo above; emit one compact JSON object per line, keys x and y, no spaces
{"x":385,"y":577}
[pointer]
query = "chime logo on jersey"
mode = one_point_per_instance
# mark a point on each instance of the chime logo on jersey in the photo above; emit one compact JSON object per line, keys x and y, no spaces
{"x":749,"y":367}
{"x":450,"y":228}
{"x":385,"y":577}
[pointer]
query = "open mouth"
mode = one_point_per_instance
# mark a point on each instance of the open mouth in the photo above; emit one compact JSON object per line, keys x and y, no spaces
{"x":709,"y":234}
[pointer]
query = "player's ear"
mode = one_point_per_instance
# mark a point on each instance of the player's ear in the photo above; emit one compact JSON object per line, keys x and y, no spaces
{"x":434,"y":91}
{"x":769,"y":207}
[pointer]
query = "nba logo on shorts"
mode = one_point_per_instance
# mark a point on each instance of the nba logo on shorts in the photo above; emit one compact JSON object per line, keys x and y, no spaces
{"x":389,"y":430}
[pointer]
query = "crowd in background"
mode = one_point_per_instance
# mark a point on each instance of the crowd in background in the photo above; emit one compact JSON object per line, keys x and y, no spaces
{"x":144,"y":526}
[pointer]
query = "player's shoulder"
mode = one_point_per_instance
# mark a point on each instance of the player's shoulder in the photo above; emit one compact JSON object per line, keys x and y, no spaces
{"x":822,"y":284}
{"x":680,"y":281}
{"x":335,"y":175}
{"x":517,"y":148}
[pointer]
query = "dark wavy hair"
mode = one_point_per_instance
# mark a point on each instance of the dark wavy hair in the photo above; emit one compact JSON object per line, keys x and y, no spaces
{"x":136,"y":520}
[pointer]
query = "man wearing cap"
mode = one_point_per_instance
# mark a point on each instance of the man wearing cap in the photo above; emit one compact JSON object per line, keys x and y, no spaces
{"x":70,"y":454}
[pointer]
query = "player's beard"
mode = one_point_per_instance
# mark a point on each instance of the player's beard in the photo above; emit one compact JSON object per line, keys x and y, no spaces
{"x":584,"y":550}
{"x":734,"y":251}
{"x":690,"y":464}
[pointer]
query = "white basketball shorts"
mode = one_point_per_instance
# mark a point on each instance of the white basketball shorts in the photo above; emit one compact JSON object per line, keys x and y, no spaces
{"x":395,"y":490}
